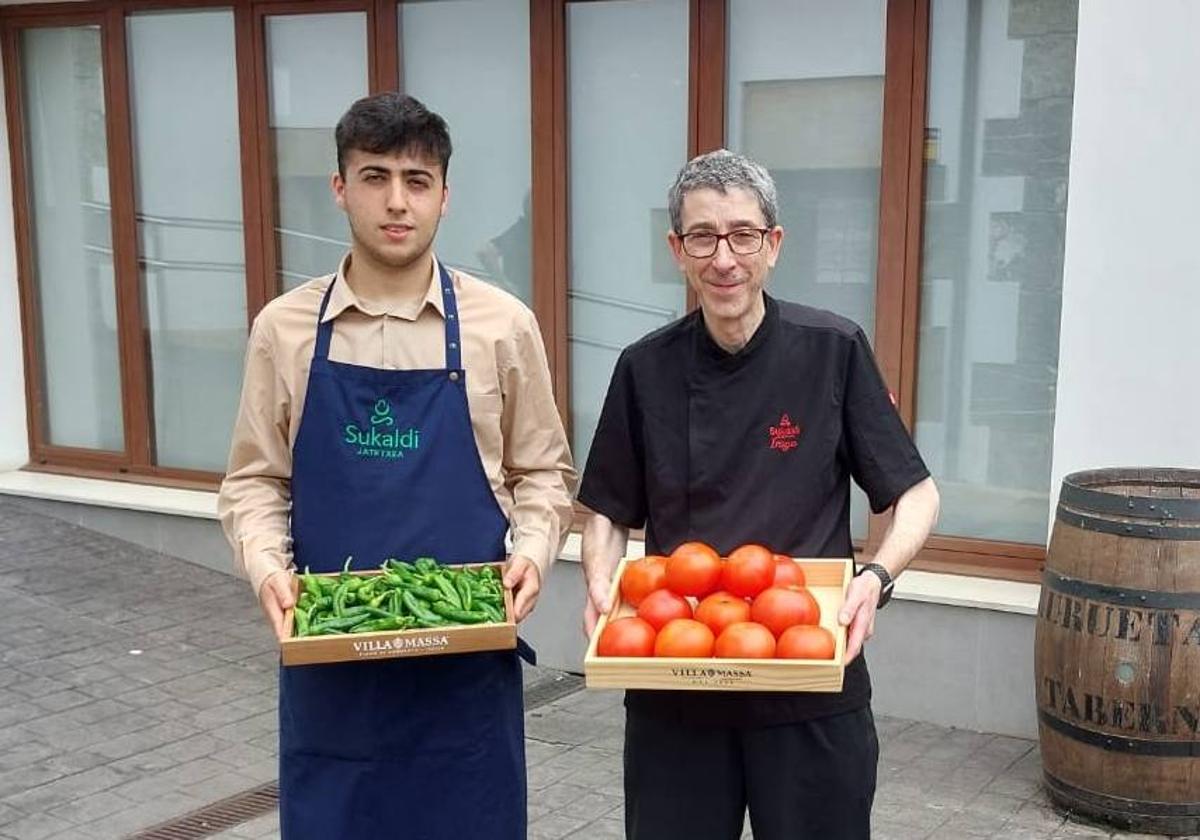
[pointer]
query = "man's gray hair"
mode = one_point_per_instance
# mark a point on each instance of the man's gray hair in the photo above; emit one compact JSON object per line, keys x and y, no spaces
{"x":720,"y":171}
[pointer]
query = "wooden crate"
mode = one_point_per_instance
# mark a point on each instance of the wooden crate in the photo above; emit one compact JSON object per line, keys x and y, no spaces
{"x":826,"y":579}
{"x":393,"y":644}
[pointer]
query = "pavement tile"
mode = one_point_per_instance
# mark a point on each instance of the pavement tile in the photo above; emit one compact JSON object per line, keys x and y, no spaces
{"x":65,"y":789}
{"x":24,"y":753}
{"x":593,"y":805}
{"x":555,"y":826}
{"x":90,"y":808}
{"x":144,"y":740}
{"x":1081,"y":831}
{"x":600,"y":830}
{"x":34,"y":827}
{"x":20,"y":780}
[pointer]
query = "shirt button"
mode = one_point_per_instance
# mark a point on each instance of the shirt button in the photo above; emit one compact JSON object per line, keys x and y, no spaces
{"x":453,"y":376}
{"x":451,"y":316}
{"x":453,"y":345}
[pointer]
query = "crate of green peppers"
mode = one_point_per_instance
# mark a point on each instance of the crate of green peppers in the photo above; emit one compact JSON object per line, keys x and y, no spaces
{"x":422,"y":608}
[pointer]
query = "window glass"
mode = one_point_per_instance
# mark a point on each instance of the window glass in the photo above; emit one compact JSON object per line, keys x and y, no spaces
{"x":478,"y":80}
{"x":1001,"y":83}
{"x":187,"y":175}
{"x":71,"y":228}
{"x":627,"y":98}
{"x":318,"y":68}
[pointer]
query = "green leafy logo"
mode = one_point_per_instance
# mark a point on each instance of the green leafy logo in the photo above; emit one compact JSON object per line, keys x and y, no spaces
{"x":381,"y":438}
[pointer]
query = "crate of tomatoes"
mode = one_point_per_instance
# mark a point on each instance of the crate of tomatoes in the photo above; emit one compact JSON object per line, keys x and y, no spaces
{"x":753,"y":621}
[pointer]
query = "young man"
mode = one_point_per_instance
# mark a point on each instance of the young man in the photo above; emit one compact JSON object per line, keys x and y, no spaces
{"x":456,"y":371}
{"x":685,"y":448}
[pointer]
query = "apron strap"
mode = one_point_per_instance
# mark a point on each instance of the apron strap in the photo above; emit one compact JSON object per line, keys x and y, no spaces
{"x":526,"y":652}
{"x":449,"y":303}
{"x":324,"y":328}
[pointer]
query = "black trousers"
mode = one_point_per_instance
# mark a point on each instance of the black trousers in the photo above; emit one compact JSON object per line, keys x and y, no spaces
{"x":814,"y":779}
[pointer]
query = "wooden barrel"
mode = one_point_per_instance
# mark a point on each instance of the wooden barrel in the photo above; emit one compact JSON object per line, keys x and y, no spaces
{"x":1118,"y":650}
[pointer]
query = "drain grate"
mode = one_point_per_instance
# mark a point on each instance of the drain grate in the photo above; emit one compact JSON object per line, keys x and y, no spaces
{"x":218,"y":816}
{"x":262,"y":800}
{"x":547,"y":691}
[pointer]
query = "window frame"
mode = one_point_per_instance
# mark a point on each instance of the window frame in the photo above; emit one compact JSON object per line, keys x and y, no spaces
{"x":899,"y":234}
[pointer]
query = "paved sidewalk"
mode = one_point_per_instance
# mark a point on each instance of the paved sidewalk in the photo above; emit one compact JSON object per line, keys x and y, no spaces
{"x":136,"y":688}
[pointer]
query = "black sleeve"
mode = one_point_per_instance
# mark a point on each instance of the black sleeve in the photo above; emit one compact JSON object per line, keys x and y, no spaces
{"x":883,"y":459}
{"x":614,"y":479}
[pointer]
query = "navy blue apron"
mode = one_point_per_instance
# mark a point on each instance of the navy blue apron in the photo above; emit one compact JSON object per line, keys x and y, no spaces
{"x":385,"y":465}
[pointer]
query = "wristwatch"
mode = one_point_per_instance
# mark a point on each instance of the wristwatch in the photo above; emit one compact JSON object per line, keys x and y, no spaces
{"x":885,"y":593}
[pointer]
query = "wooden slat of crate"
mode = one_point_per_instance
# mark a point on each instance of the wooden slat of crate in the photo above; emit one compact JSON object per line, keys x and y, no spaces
{"x":827,"y":579}
{"x":394,"y":644}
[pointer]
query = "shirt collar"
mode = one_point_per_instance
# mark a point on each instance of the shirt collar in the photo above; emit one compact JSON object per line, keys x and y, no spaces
{"x":342,"y":298}
{"x":709,"y":349}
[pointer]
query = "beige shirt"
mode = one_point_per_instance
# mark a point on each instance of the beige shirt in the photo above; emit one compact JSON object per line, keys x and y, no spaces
{"x":517,"y":429}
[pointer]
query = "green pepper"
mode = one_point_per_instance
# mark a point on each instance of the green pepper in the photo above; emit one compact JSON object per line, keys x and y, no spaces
{"x":339,"y":599}
{"x":392,"y":622}
{"x":341,"y":623}
{"x":301,"y":619}
{"x":461,"y":616}
{"x":448,"y":591}
{"x":425,"y":564}
{"x":492,"y":613}
{"x":425,"y":593}
{"x":394,"y":579}
{"x":311,"y":586}
{"x":464,"y":591}
{"x":421,"y":613}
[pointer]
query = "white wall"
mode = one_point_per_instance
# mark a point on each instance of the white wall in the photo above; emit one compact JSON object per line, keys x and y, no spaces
{"x":1130,"y":355}
{"x":14,"y":438}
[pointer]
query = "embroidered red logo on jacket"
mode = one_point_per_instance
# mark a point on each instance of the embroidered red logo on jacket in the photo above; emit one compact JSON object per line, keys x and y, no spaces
{"x":784,"y":437}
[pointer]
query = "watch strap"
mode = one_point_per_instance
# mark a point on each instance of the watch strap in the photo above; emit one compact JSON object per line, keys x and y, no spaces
{"x":885,"y":579}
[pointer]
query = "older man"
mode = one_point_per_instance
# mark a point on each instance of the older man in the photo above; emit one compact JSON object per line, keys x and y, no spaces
{"x":684,"y":448}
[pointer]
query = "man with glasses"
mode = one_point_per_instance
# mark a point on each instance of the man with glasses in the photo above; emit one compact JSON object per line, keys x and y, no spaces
{"x":689,"y":447}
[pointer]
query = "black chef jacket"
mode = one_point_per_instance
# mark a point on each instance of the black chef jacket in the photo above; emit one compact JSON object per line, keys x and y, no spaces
{"x":696,"y":443}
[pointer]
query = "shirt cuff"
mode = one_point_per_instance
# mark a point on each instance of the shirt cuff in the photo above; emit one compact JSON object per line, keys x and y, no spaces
{"x":538,"y":550}
{"x":262,"y":557}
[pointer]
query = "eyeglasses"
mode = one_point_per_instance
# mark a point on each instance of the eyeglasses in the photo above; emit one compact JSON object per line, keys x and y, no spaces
{"x":743,"y":241}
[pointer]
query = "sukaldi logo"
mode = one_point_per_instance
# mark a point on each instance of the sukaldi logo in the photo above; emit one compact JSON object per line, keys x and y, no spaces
{"x":785,"y":436}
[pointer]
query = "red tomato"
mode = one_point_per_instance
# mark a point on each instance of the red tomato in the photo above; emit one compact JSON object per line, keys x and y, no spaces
{"x":805,"y":641}
{"x":780,"y":608}
{"x":749,"y":570}
{"x":641,"y":577}
{"x":721,"y":609}
{"x":745,"y":640}
{"x":693,"y":569}
{"x":684,"y":637}
{"x":630,"y":636}
{"x":787,"y":572}
{"x":662,"y":605}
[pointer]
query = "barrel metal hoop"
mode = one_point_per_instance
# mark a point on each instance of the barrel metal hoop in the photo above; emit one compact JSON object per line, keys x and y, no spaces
{"x":1123,"y":596}
{"x":1120,"y":805}
{"x":1080,"y":490}
{"x":1125,"y":529}
{"x":1146,"y":507}
{"x":1119,"y":743}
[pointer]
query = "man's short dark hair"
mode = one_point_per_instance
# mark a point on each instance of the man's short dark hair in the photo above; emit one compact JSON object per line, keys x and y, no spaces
{"x":392,"y":122}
